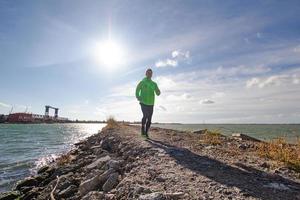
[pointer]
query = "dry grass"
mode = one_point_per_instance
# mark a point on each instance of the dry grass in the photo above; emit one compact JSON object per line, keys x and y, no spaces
{"x":212,"y":137}
{"x":279,"y":150}
{"x":111,"y":123}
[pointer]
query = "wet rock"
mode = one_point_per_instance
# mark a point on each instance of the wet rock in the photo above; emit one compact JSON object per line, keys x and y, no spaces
{"x":30,"y":181}
{"x":31,"y":194}
{"x":43,"y":169}
{"x":111,"y":182}
{"x":68,"y":191}
{"x":42,"y":177}
{"x":66,"y":181}
{"x":98,"y":163}
{"x":9,"y":195}
{"x":26,"y":189}
{"x":152,"y":196}
{"x":94,"y":195}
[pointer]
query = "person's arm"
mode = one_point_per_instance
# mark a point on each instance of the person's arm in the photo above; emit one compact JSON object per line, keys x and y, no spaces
{"x":157,"y":91}
{"x":138,"y":91}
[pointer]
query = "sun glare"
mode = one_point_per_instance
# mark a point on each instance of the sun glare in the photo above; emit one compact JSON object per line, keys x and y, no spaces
{"x":109,"y":53}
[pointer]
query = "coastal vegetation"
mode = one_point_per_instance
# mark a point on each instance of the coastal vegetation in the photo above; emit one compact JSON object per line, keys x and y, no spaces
{"x":280,"y":150}
{"x":111,"y":123}
{"x":212,"y":137}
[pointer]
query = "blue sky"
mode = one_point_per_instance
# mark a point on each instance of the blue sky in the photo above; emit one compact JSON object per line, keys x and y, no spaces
{"x":218,"y":62}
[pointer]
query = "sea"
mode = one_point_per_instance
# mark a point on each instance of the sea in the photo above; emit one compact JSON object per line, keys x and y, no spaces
{"x":265,"y":132}
{"x":26,"y":147}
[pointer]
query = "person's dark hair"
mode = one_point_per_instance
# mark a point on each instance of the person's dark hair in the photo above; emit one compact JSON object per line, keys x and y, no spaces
{"x":149,"y":69}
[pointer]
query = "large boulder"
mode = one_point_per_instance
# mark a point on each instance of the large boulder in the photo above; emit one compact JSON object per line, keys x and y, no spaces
{"x":95,"y":182}
{"x":30,"y":181}
{"x":69,"y":191}
{"x":111,"y":182}
{"x":98,"y":163}
{"x":114,"y":164}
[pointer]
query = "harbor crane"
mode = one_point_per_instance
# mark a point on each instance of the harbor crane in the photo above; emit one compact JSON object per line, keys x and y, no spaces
{"x":47,"y":111}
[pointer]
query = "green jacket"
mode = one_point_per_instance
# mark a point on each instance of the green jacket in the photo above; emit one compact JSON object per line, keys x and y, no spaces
{"x":145,"y":91}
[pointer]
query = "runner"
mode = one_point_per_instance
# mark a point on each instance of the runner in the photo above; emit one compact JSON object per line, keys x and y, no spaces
{"x":145,"y":94}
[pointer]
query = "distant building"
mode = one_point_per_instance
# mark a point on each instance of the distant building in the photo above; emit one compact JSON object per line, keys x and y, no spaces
{"x":3,"y":118}
{"x":20,"y":117}
{"x":33,"y":118}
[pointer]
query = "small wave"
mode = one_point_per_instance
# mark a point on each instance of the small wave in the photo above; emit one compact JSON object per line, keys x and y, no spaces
{"x":43,"y":161}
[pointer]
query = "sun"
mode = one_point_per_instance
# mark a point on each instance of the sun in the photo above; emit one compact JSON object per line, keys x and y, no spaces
{"x":109,"y":53}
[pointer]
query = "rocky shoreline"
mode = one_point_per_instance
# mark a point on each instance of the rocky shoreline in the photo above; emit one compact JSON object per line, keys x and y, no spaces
{"x":117,"y":163}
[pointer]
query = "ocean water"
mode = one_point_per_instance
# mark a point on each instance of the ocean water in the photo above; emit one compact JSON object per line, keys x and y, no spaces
{"x":260,"y":131}
{"x":26,"y":147}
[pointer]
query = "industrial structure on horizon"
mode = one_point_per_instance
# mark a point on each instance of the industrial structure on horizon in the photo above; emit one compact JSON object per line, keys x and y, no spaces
{"x":24,"y":117}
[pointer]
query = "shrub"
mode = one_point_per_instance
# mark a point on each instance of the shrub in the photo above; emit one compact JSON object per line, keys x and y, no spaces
{"x":280,"y":150}
{"x":212,"y":137}
{"x":111,"y":123}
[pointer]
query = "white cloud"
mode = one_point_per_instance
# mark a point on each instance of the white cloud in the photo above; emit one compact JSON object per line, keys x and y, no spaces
{"x":195,"y":96}
{"x":242,"y":70}
{"x":165,"y":83}
{"x":218,"y":95}
{"x":177,"y":56}
{"x":206,"y":101}
{"x":252,"y":82}
{"x":274,"y":80}
{"x":166,"y":63}
{"x":182,"y":97}
{"x":181,"y":54}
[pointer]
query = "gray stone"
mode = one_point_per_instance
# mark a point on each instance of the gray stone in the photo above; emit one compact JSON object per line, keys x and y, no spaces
{"x":92,"y":183}
{"x":115,"y":164}
{"x":152,"y":196}
{"x":43,"y":169}
{"x":94,"y":195}
{"x":9,"y":195}
{"x":106,"y":144}
{"x":99,"y":162}
{"x":68,"y":191}
{"x":111,"y":182}
{"x":30,"y":181}
{"x":32,"y":194}
{"x":88,"y":185}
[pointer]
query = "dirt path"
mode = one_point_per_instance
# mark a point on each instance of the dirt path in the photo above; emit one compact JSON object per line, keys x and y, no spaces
{"x":180,"y":165}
